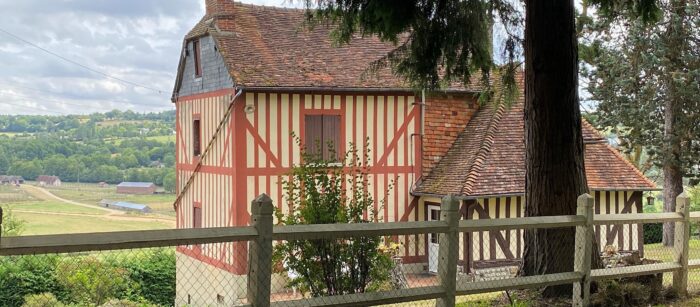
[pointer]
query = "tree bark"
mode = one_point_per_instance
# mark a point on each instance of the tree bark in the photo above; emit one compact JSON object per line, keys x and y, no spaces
{"x":554,"y":149}
{"x":673,"y":175}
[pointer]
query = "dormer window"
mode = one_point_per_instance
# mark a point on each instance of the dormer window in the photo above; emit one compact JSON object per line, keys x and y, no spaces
{"x":197,"y":60}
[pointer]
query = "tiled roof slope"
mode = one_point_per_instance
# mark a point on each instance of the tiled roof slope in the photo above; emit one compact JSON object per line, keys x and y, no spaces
{"x":488,"y":158}
{"x":269,"y":47}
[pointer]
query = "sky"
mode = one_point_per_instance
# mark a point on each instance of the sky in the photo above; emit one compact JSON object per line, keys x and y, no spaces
{"x":137,"y":41}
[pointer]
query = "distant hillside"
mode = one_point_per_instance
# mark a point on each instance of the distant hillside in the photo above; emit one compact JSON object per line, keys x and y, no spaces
{"x":110,"y":147}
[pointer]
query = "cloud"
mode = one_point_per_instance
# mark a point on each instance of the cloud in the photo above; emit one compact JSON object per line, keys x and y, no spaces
{"x":134,"y":40}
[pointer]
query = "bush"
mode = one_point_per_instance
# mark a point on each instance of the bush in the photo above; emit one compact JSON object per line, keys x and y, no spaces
{"x":42,"y":300}
{"x":90,"y":280}
{"x":154,"y":273}
{"x":613,"y":293}
{"x":317,"y":190}
{"x":27,"y":275}
{"x":653,"y":233}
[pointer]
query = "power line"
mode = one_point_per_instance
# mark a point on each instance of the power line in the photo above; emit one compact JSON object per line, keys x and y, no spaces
{"x":79,"y":64}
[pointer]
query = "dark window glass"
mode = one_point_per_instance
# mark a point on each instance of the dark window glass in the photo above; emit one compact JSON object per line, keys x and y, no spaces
{"x":196,"y":138}
{"x":197,"y":217}
{"x":197,"y":60}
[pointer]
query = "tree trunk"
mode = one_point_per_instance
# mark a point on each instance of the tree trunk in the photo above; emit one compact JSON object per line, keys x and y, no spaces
{"x":673,"y":175}
{"x":555,"y":174}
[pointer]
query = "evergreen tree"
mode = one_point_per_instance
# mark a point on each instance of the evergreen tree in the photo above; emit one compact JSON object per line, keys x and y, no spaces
{"x":442,"y":41}
{"x":646,"y":80}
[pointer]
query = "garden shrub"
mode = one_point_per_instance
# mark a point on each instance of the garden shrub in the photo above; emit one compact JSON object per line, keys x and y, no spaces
{"x":42,"y":300}
{"x":89,"y":280}
{"x":154,"y":273}
{"x":317,"y":191}
{"x":616,"y":294}
{"x":21,"y":276}
{"x":653,"y":233}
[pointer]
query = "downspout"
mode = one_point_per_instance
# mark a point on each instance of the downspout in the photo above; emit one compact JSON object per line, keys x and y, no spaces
{"x":420,"y":135}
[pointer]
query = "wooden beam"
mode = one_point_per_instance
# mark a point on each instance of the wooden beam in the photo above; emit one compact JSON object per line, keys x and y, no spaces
{"x":539,"y":222}
{"x":636,"y":218}
{"x":330,"y":231}
{"x":635,"y":270}
{"x":367,"y":299}
{"x":538,"y":281}
{"x":67,"y":243}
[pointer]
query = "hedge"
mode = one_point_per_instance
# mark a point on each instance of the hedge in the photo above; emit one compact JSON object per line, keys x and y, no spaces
{"x":653,"y":233}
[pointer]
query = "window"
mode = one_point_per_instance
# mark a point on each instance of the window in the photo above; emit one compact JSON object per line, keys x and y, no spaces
{"x":196,"y":137}
{"x":197,"y":60}
{"x":197,"y":216}
{"x":322,"y":136}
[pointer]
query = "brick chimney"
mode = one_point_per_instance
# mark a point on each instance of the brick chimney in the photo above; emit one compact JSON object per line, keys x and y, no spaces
{"x":219,"y":7}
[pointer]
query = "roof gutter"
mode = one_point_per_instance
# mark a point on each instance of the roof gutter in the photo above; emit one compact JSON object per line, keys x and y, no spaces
{"x":351,"y":89}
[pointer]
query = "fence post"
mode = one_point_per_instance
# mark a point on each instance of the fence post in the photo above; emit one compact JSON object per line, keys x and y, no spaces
{"x":584,"y":250}
{"x":680,"y":244}
{"x":448,"y":251}
{"x":260,"y":252}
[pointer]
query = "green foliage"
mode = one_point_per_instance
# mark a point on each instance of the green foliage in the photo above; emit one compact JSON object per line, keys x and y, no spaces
{"x":154,"y":273}
{"x":90,"y":280}
{"x":26,"y":275}
{"x":653,"y":233}
{"x":439,"y":43}
{"x":10,"y":224}
{"x":638,"y":71}
{"x":42,"y":300}
{"x":317,"y":194}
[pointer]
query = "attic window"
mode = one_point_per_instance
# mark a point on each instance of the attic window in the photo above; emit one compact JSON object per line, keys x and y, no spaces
{"x":197,"y":60}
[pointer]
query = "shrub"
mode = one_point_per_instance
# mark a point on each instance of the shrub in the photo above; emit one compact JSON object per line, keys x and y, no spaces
{"x":653,"y":233}
{"x":616,"y":294}
{"x":154,"y":273}
{"x":42,"y":300}
{"x":316,"y":192}
{"x":26,"y":275}
{"x":90,"y":280}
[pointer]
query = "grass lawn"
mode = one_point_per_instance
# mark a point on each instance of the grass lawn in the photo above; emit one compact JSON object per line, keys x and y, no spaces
{"x":9,"y":194}
{"x":52,"y":206}
{"x":92,"y":193}
{"x":162,"y":138}
{"x":43,"y":224}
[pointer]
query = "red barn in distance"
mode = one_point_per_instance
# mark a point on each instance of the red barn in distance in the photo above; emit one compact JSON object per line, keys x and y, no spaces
{"x":140,"y":188}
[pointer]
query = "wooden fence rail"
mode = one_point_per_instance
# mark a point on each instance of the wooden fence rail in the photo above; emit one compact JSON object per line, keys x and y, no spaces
{"x":262,"y":232}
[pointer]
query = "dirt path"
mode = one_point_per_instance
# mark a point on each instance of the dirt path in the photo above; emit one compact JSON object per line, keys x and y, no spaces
{"x":112,"y":214}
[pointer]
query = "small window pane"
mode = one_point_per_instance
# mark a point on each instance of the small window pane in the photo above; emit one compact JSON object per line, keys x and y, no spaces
{"x":196,"y":138}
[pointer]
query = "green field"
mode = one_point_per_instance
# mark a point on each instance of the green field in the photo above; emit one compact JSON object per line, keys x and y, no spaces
{"x":40,"y":223}
{"x":52,"y":207}
{"x":89,"y":193}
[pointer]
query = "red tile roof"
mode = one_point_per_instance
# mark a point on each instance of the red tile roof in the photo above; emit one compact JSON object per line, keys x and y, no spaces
{"x":270,"y":47}
{"x":488,"y":158}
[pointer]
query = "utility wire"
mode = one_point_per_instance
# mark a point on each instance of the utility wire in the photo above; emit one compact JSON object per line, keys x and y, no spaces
{"x":79,"y":64}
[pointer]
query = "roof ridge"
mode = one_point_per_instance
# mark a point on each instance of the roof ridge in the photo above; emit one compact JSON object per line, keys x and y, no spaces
{"x":475,"y":165}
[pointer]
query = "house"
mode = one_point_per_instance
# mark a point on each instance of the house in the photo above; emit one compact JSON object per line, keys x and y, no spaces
{"x":45,"y":180}
{"x":13,"y":180}
{"x":124,"y":206}
{"x":136,"y":188}
{"x":276,"y":79}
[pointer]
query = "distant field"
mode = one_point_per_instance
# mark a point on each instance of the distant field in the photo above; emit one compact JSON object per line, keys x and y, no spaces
{"x":9,"y":194}
{"x":162,"y":138}
{"x":40,"y":224}
{"x":11,"y":134}
{"x":107,"y":123}
{"x":92,"y":193}
{"x":52,"y":206}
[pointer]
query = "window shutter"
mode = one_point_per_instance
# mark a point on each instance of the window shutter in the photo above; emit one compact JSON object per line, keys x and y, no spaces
{"x":313,"y":130}
{"x":197,"y":217}
{"x":331,"y":134}
{"x":196,"y":138}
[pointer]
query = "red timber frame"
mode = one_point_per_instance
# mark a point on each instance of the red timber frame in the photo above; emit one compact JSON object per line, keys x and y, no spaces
{"x":256,"y":174}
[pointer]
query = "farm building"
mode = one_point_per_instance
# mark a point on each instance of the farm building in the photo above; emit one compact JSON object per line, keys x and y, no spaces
{"x":124,"y":206}
{"x":4,"y":179}
{"x":278,"y":80}
{"x":45,"y":180}
{"x":143,"y":188}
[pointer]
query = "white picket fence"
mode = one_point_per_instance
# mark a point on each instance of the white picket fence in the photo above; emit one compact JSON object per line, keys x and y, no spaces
{"x":262,"y":232}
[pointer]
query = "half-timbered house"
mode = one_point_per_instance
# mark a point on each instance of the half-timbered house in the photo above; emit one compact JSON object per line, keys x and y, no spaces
{"x":251,"y":76}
